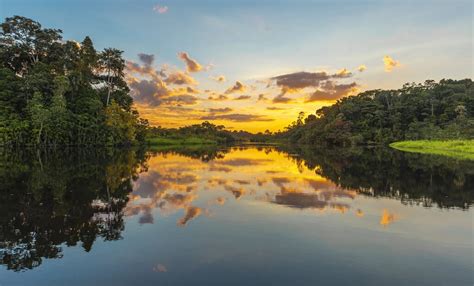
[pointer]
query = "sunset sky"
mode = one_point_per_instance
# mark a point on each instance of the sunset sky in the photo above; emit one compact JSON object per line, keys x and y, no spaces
{"x":254,"y":66}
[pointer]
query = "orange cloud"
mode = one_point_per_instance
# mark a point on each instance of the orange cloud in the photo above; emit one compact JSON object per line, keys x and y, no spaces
{"x":361,"y":68}
{"x":343,"y":73}
{"x":389,"y":63}
{"x":237,"y":87}
{"x":218,"y":98}
{"x":180,"y":78}
{"x":191,"y":213}
{"x":387,"y":218}
{"x":219,"y":78}
{"x":191,"y":64}
{"x":220,"y":200}
{"x":220,"y":110}
{"x":262,"y":97}
{"x":243,"y":97}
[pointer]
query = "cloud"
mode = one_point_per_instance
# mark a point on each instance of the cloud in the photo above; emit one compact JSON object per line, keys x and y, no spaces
{"x":180,"y":78}
{"x":191,"y":64}
{"x":146,"y":59}
{"x":261,"y":97}
{"x":144,"y":70}
{"x":220,"y":200}
{"x":219,"y":78}
{"x":281,"y":98}
{"x":294,"y":82}
{"x":218,"y":98}
{"x":191,"y":90}
{"x":220,"y":110}
{"x":275,"y":108}
{"x":155,"y":92}
{"x":237,"y":87}
{"x":332,"y":91}
{"x":361,"y":68}
{"x":389,"y":63}
{"x":325,"y":85}
{"x":243,"y":97}
{"x":160,"y":9}
{"x":237,"y":192}
{"x":190,"y":213}
{"x":181,"y":99}
{"x":300,"y":80}
{"x":343,"y":73}
{"x":150,"y":92}
{"x":237,"y":117}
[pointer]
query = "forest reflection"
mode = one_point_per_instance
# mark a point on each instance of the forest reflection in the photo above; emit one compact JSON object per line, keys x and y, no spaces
{"x":49,"y":200}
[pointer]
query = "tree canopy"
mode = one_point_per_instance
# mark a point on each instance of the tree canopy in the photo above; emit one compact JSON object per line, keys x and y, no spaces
{"x":432,"y":110}
{"x":60,"y":92}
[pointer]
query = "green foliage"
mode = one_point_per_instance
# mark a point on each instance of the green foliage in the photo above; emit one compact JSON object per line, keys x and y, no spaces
{"x":121,"y":125}
{"x":55,"y":93}
{"x":443,"y":110}
{"x":461,"y":149}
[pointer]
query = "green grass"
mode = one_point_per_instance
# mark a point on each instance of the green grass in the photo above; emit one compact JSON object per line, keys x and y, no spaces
{"x":460,"y":149}
{"x":168,"y":141}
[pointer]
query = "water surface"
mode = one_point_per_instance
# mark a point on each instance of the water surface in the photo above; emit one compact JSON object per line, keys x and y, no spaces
{"x":235,"y":216}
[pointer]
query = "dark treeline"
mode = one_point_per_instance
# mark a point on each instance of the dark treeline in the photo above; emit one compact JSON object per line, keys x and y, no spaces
{"x":51,"y":197}
{"x":205,"y":130}
{"x":56,"y":92}
{"x":443,"y":110}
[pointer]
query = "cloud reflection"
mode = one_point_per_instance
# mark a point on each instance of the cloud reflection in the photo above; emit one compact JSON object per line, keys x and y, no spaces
{"x":176,"y":183}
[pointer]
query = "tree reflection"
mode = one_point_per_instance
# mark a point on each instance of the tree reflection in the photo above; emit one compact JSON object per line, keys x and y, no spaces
{"x":50,"y":199}
{"x":412,"y":178}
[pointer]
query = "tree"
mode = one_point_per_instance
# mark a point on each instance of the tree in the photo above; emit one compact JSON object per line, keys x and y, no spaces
{"x":111,"y":66}
{"x":38,"y":114}
{"x":58,"y":121}
{"x":55,"y":92}
{"x":23,"y":43}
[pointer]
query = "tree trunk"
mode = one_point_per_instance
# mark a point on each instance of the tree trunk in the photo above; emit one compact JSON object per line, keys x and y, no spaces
{"x":39,"y":134}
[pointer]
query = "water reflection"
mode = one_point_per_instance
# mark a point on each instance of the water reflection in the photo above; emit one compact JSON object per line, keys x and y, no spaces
{"x":298,"y":178}
{"x":50,"y":200}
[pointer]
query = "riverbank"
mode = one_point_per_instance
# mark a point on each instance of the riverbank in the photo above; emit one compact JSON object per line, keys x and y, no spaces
{"x":459,"y":149}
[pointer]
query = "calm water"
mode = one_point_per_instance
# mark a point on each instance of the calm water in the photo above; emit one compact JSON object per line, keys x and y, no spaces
{"x":235,"y":216}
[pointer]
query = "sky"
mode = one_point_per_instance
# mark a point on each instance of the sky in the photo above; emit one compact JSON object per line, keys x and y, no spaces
{"x":254,"y":65}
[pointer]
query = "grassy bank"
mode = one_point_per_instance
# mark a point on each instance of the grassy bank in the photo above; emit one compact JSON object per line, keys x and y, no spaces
{"x":460,"y":149}
{"x":178,"y":141}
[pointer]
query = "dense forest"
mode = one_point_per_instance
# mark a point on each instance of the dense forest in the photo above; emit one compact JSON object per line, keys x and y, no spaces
{"x":55,"y":92}
{"x":205,"y":132}
{"x":433,"y":110}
